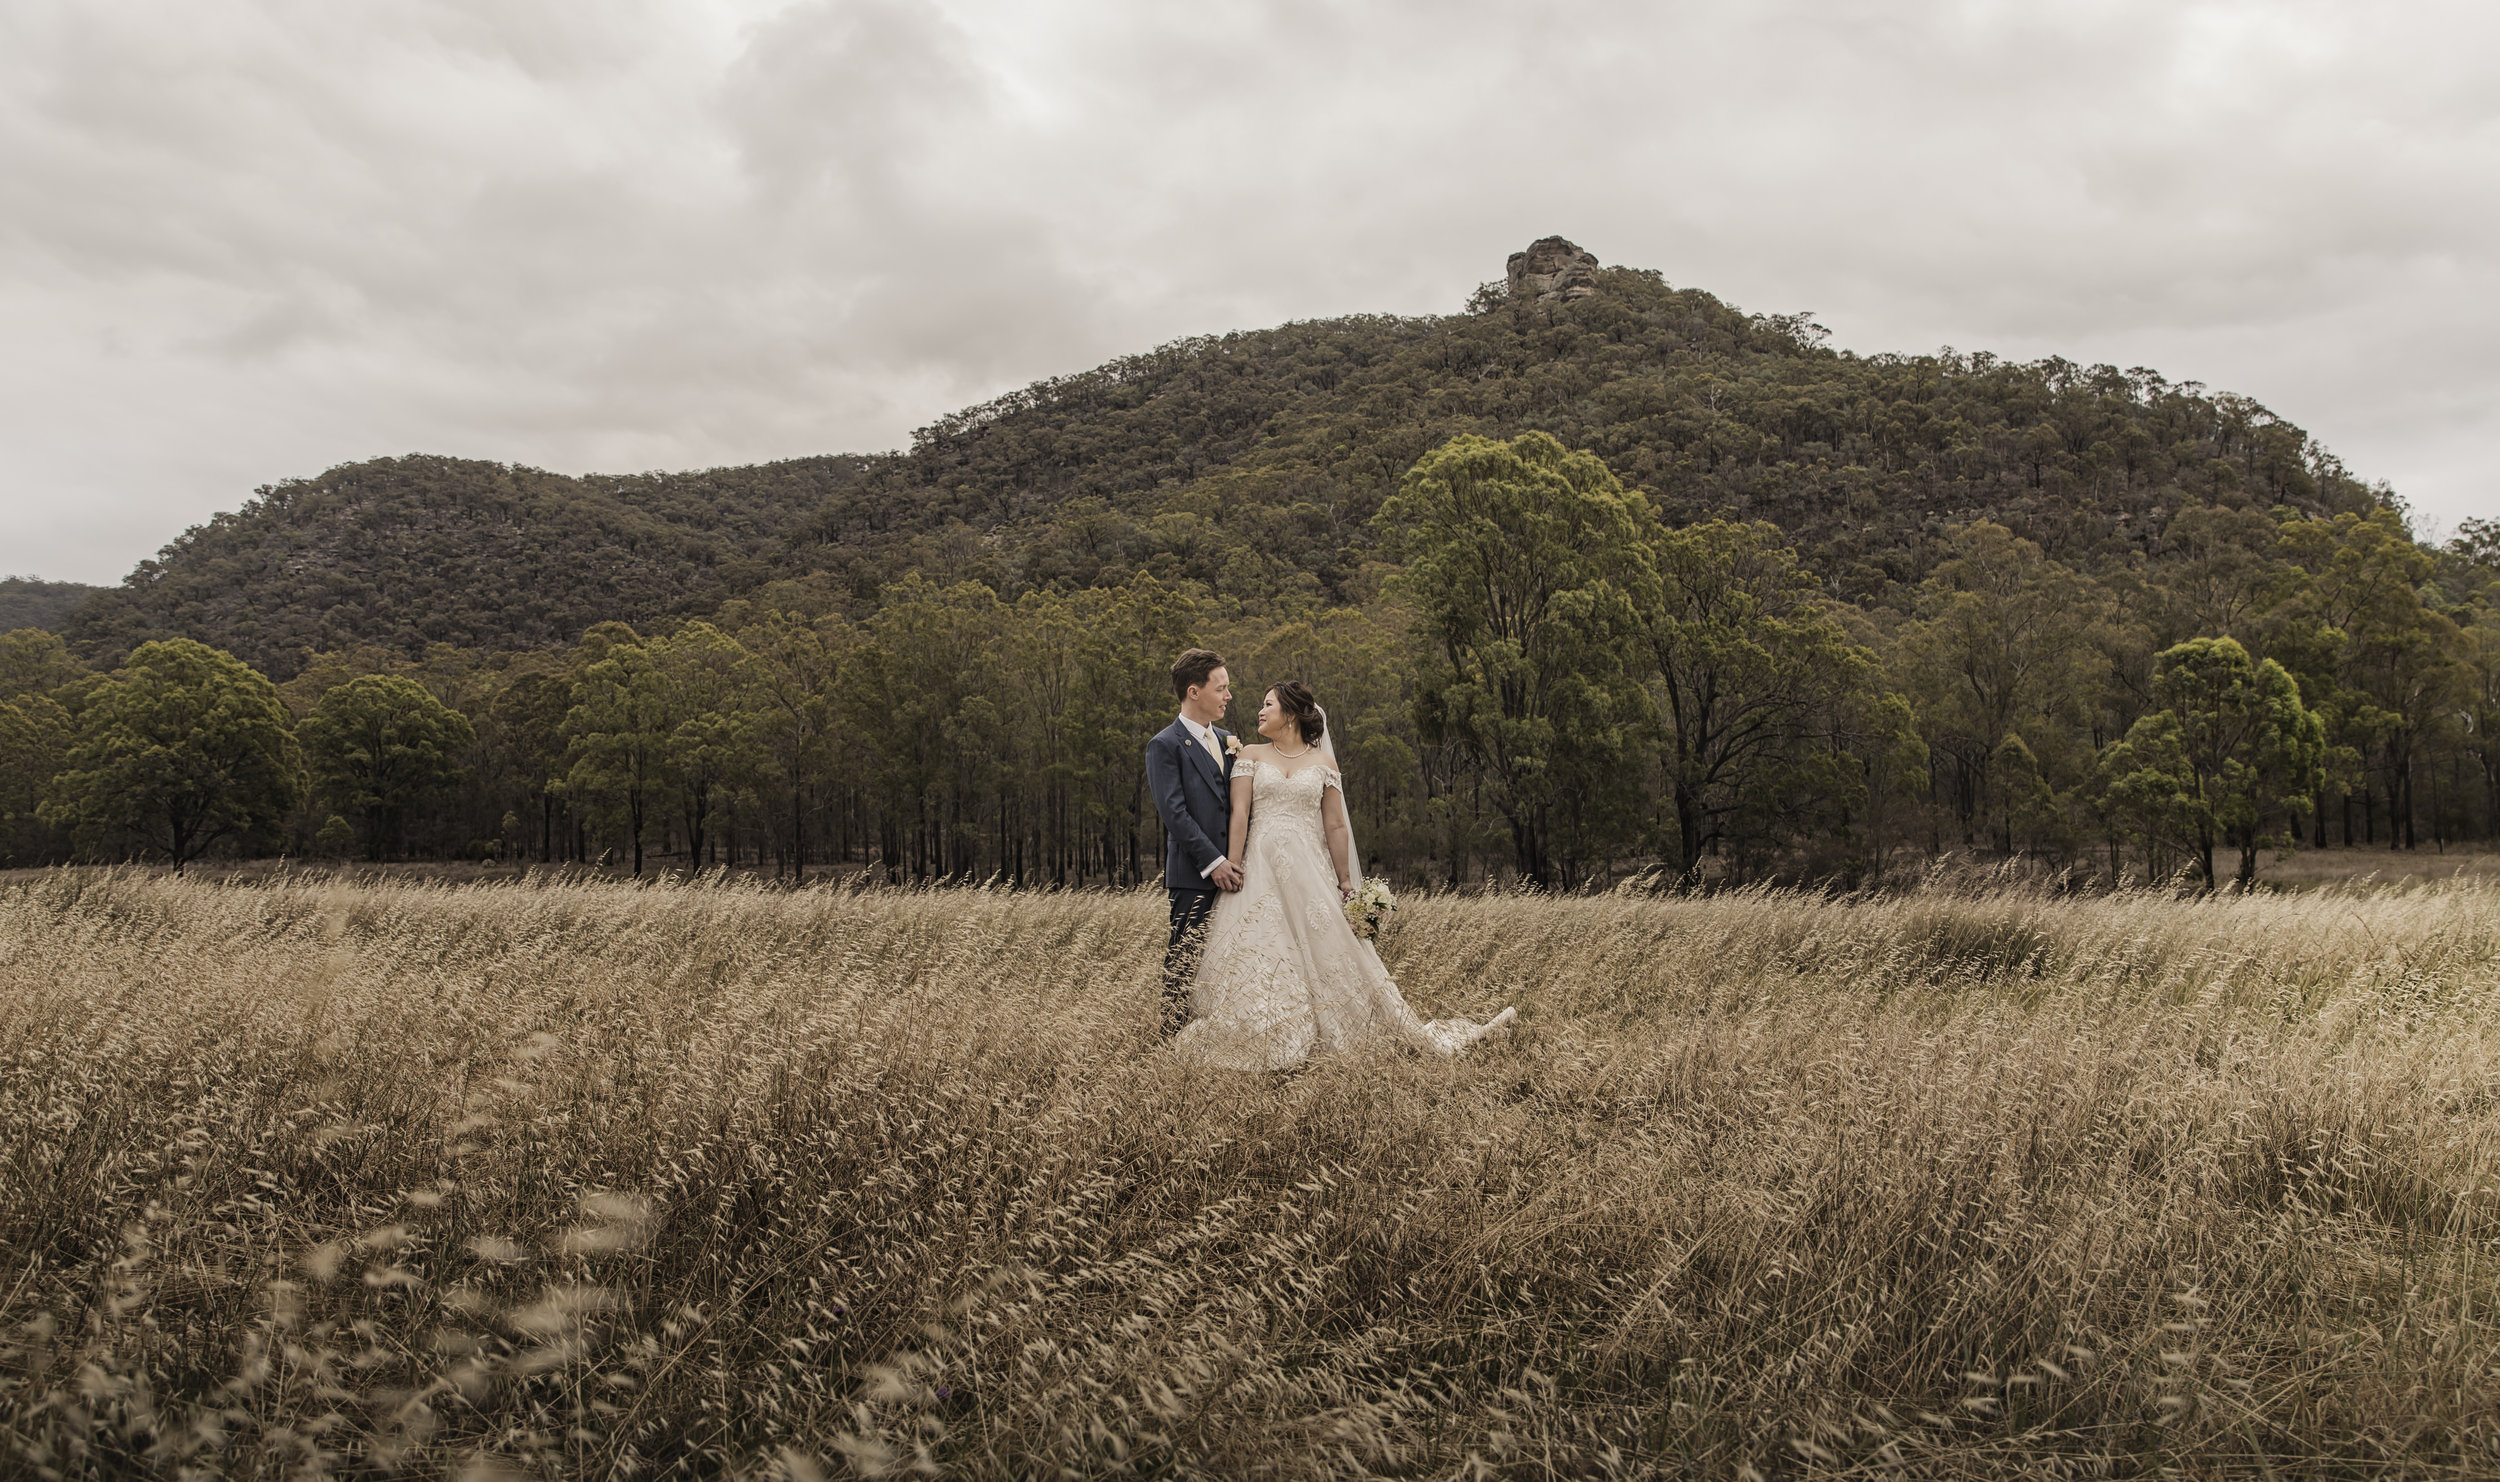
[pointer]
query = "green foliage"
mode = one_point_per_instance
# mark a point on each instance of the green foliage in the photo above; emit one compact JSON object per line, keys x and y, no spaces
{"x":34,"y":662}
{"x":1634,"y":582}
{"x":39,"y":679}
{"x":409,"y":552}
{"x":710,"y":753}
{"x":2004,"y":643}
{"x":1250,"y":464}
{"x":2386,"y":671}
{"x":2478,"y":541}
{"x":1517,"y":560}
{"x":796,"y":671}
{"x":383,"y":745}
{"x":2232,"y":756}
{"x":28,"y":603}
{"x":1752,"y":677}
{"x":182,"y":746}
{"x":619,"y":730}
{"x":34,"y":745}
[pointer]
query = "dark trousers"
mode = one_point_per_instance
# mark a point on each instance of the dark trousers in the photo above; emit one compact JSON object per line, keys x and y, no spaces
{"x":1190,"y":909}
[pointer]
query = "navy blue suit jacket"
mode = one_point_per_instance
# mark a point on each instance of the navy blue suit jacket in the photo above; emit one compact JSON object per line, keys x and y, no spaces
{"x":1195,"y":799}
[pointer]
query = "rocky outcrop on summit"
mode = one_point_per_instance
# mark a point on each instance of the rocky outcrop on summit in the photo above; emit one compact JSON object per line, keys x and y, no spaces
{"x":1553,"y":271}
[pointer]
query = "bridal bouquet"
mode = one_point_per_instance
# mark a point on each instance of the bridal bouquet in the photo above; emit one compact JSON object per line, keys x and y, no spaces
{"x":1371,"y":906}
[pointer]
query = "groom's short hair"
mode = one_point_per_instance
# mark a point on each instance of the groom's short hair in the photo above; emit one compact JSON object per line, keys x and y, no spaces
{"x":1191,"y":669}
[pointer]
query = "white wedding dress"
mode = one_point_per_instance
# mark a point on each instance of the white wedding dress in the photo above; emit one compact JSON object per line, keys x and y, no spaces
{"x":1284,"y":976}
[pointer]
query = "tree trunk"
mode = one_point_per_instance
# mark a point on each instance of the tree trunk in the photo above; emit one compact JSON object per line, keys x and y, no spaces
{"x":633,"y":818}
{"x":2404,"y":779}
{"x":1688,"y":830}
{"x":1523,"y":852}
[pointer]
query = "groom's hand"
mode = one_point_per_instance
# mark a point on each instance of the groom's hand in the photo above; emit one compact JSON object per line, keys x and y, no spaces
{"x":1227,"y":876}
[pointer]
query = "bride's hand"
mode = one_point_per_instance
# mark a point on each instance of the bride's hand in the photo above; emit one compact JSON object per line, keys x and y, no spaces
{"x":1345,"y":891}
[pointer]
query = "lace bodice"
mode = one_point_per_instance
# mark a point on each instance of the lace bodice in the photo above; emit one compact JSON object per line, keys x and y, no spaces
{"x":1277,"y":795}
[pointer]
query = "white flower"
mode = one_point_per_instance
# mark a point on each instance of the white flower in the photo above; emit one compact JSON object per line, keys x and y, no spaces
{"x":1370,"y":906}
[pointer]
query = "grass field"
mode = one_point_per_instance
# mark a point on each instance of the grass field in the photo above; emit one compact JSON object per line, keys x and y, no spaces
{"x":301,"y":1177}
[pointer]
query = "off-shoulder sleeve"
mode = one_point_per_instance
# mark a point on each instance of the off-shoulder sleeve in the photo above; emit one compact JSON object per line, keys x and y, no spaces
{"x":1243,"y":767}
{"x":1328,"y":778}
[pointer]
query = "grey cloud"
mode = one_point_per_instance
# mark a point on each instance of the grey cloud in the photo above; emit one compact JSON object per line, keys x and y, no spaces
{"x":241,"y":239}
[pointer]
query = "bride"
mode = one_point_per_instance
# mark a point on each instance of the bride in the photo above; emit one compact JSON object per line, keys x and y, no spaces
{"x":1284,"y":974}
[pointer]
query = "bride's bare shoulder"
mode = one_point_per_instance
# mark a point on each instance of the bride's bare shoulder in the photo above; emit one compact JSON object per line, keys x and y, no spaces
{"x":1263,"y":748}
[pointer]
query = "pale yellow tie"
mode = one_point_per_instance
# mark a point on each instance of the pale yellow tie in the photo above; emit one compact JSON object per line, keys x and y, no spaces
{"x":1213,"y":750}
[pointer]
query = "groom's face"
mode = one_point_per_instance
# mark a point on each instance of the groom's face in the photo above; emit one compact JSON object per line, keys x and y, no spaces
{"x":1212,"y":699}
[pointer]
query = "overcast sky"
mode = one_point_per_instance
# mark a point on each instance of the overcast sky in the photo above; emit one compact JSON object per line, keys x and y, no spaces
{"x":242,"y":240}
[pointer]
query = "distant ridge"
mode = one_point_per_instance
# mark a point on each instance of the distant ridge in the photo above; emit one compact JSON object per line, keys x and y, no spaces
{"x":1251,"y":463}
{"x":29,"y":602}
{"x":409,"y":552}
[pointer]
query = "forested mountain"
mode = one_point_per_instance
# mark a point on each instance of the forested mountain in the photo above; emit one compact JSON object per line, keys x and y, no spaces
{"x":1255,"y":461}
{"x":407,"y":552}
{"x":28,"y":603}
{"x":1251,"y":463}
{"x":1599,"y":578}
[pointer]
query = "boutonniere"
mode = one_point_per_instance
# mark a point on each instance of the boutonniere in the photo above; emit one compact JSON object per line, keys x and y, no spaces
{"x":1232,"y":746}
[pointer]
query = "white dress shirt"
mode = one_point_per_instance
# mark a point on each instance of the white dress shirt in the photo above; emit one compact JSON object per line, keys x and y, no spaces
{"x":1206,"y":738}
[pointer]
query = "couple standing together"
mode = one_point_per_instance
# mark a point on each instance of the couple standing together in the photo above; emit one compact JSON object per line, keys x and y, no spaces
{"x":1260,"y":862}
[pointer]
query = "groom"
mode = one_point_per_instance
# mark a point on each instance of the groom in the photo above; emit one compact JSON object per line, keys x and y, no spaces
{"x":1189,"y":767}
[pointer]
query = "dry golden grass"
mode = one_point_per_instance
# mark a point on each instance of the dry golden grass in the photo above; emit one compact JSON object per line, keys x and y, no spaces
{"x":2360,"y":866}
{"x":568,"y":1179}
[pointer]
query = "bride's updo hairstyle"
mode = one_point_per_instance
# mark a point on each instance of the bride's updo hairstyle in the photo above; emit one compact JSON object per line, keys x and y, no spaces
{"x":1295,"y":699}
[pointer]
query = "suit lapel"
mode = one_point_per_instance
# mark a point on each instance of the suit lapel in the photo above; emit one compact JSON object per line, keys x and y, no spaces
{"x":1206,"y":763}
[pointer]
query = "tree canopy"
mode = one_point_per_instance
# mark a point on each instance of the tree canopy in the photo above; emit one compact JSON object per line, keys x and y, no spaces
{"x":1517,"y":557}
{"x":181,"y":747}
{"x":382,"y":745}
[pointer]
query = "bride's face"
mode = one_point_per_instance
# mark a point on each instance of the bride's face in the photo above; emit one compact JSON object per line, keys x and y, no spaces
{"x":1272,"y":722}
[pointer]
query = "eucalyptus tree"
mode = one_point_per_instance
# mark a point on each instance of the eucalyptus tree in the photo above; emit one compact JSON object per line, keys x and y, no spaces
{"x":917,"y":697}
{"x":182,"y":747}
{"x":1750,"y":673}
{"x":35,"y":734}
{"x":797,"y":667}
{"x":1518,"y":556}
{"x":382,"y":746}
{"x":35,"y":662}
{"x":714,"y":744}
{"x":618,"y":730}
{"x":2230,"y":758}
{"x":2381,"y":665}
{"x":2003,"y":642}
{"x":37,"y":671}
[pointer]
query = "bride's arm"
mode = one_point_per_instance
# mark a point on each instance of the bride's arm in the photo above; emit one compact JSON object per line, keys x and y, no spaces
{"x":1332,"y":813}
{"x":1237,"y":838}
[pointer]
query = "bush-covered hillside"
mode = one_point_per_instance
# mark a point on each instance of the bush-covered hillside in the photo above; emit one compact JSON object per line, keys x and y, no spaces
{"x":408,"y":552}
{"x":1251,"y":463}
{"x":28,"y":603}
{"x":1255,"y":461}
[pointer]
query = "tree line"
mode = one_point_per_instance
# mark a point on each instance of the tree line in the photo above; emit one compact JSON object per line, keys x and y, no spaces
{"x":1555,"y":678}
